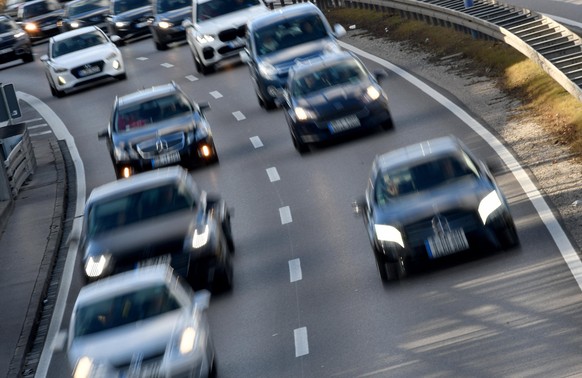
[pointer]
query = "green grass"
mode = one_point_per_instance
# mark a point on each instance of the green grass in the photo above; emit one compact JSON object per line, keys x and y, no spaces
{"x":553,"y":107}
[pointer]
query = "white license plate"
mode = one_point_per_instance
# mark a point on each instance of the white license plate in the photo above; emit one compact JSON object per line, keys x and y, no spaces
{"x":446,"y":243}
{"x":166,"y":159}
{"x":346,"y":123}
{"x":89,"y":71}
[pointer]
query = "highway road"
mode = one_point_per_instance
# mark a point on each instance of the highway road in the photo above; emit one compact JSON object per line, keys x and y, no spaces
{"x":307,"y":298}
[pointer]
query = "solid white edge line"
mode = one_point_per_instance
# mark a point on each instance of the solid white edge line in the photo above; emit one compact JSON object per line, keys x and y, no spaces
{"x":301,"y":343}
{"x":285,"y":214}
{"x":273,"y":174}
{"x":61,"y":133}
{"x":295,"y":273}
{"x":561,"y":240}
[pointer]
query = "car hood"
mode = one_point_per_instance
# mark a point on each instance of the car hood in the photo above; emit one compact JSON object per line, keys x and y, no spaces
{"x":133,"y":14}
{"x":284,"y":59}
{"x":43,"y":18}
{"x":89,"y":55}
{"x":230,"y":20}
{"x":87,"y":15}
{"x":118,"y":346}
{"x":175,"y":15}
{"x":340,"y":97}
{"x":156,"y":130}
{"x":154,"y":234}
{"x":465,"y":194}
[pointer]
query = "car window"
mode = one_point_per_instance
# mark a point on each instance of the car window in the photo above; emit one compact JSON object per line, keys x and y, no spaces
{"x":124,"y":309}
{"x":289,"y":33}
{"x":7,"y":26}
{"x":403,"y":181}
{"x":76,"y":43}
{"x":115,"y":213}
{"x":214,"y":8}
{"x":135,"y":116}
{"x":126,"y":5}
{"x":82,"y":7}
{"x":163,"y":6}
{"x":36,"y":9}
{"x":343,"y":73}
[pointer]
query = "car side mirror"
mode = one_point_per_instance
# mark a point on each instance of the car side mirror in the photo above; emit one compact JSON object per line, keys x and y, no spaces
{"x":103,"y":134}
{"x":204,"y":106}
{"x":44,"y":58}
{"x":202,"y":299}
{"x":380,"y":75}
{"x":187,"y":23}
{"x":339,"y":30}
{"x":116,"y":39}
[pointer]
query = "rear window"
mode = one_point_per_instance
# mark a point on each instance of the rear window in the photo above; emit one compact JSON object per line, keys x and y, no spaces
{"x":289,"y":33}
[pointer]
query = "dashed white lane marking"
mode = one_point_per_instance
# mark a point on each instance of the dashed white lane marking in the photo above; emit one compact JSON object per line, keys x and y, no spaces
{"x":216,"y":94}
{"x":256,"y":141}
{"x":191,"y":78}
{"x":295,"y":270}
{"x":37,"y":126}
{"x":238,"y":115}
{"x":285,"y":214}
{"x":60,"y":340}
{"x":142,"y":58}
{"x":273,"y":174}
{"x":301,"y":344}
{"x":167,"y":65}
{"x":41,"y":133}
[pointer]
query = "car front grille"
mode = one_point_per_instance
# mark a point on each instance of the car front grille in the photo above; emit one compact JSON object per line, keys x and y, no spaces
{"x":232,"y":33}
{"x":77,"y":70}
{"x":168,"y":143}
{"x":417,"y":232}
{"x":147,"y":366}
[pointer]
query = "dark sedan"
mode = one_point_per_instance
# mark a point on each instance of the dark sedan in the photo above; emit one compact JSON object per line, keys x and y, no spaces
{"x":14,"y":42}
{"x":333,"y":96}
{"x":129,"y":18}
{"x":155,"y":127}
{"x":39,"y":18}
{"x":430,"y":200}
{"x":158,"y":217}
{"x":166,"y":23}
{"x":80,"y":13}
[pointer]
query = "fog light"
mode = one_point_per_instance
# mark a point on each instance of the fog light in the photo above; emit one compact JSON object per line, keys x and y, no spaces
{"x":205,"y":151}
{"x":126,"y":172}
{"x":62,"y":80}
{"x":116,"y":65}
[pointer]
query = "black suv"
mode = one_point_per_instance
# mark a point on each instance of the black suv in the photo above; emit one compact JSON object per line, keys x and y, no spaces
{"x":155,"y":127}
{"x":166,"y":24}
{"x":129,"y":18}
{"x":14,"y":42}
{"x":39,"y":18}
{"x":80,"y":13}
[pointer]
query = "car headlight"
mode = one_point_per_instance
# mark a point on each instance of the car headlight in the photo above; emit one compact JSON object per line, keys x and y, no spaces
{"x":205,"y":38}
{"x":96,"y":265}
{"x":267,"y":71}
{"x":122,"y":24}
{"x":83,"y":367}
{"x":372,"y":93}
{"x":200,"y":238}
{"x":75,"y":24}
{"x":488,"y":205}
{"x":30,"y":27}
{"x":303,"y":114}
{"x":165,"y":24}
{"x":389,"y":234}
{"x":187,"y":340}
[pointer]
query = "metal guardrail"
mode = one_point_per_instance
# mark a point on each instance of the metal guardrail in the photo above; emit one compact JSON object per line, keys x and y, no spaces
{"x":555,"y":48}
{"x":20,"y":162}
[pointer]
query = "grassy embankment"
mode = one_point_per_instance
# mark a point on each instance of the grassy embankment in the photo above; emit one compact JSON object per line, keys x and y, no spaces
{"x":554,"y":108}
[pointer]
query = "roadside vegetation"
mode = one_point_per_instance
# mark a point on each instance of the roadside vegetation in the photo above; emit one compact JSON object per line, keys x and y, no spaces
{"x":553,"y":107}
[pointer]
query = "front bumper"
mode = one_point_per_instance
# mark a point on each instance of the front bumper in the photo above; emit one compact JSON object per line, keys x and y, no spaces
{"x":77,"y":76}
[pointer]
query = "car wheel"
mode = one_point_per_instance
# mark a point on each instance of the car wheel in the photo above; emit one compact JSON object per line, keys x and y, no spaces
{"x":213,"y":373}
{"x":383,"y":269}
{"x":123,"y":76}
{"x":508,"y":236}
{"x":160,"y":46}
{"x":223,"y":278}
{"x":200,"y":67}
{"x":388,"y":124}
{"x":57,"y":93}
{"x":301,"y":147}
{"x":28,"y":58}
{"x":227,"y":228}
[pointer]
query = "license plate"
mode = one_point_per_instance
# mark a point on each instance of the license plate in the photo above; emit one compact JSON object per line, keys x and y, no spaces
{"x":343,"y":124}
{"x":446,"y":243}
{"x":166,"y":159}
{"x":89,"y":71}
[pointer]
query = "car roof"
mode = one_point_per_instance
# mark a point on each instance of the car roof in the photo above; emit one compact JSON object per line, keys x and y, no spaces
{"x":326,"y":60}
{"x":287,"y":12}
{"x":125,"y":282}
{"x":72,"y":33}
{"x":419,"y":152}
{"x":137,"y":183}
{"x":147,"y":93}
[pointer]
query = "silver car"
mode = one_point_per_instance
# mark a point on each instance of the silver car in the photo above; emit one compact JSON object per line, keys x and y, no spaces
{"x":142,"y":323}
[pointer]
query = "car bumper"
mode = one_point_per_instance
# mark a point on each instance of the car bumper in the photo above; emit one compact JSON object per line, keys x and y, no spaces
{"x":73,"y":78}
{"x":213,"y":53}
{"x":8,"y":54}
{"x":130,"y":31}
{"x":174,"y":34}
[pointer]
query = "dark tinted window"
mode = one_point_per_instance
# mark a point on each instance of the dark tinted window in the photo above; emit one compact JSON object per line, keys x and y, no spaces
{"x":215,"y":8}
{"x":163,"y":6}
{"x":343,"y":73}
{"x":139,"y":115}
{"x":79,"y":42}
{"x":126,"y":5}
{"x":289,"y":33}
{"x":7,"y":26}
{"x":82,"y":7}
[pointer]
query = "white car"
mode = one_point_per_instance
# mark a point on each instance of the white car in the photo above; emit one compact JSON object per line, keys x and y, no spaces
{"x":142,"y":323}
{"x":217,"y":30}
{"x":81,"y":56}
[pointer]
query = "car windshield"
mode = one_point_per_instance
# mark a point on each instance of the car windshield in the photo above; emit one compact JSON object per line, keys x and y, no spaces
{"x":82,"y":7}
{"x":135,"y":116}
{"x":289,"y":33}
{"x":122,"y":6}
{"x":124,"y":309}
{"x":400,"y":182}
{"x":163,"y":6}
{"x":6,"y":26}
{"x":343,"y":73}
{"x":214,"y":8}
{"x":35,"y":9}
{"x":132,"y":208}
{"x":78,"y":42}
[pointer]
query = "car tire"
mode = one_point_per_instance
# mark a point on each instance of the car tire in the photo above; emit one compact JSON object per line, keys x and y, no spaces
{"x":28,"y":58}
{"x":57,"y":93}
{"x":121,"y":77}
{"x":223,"y":280}
{"x":301,"y":147}
{"x":200,"y":67}
{"x":160,"y":46}
{"x":383,"y":269}
{"x":388,"y":124}
{"x":227,"y":228}
{"x":507,"y":237}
